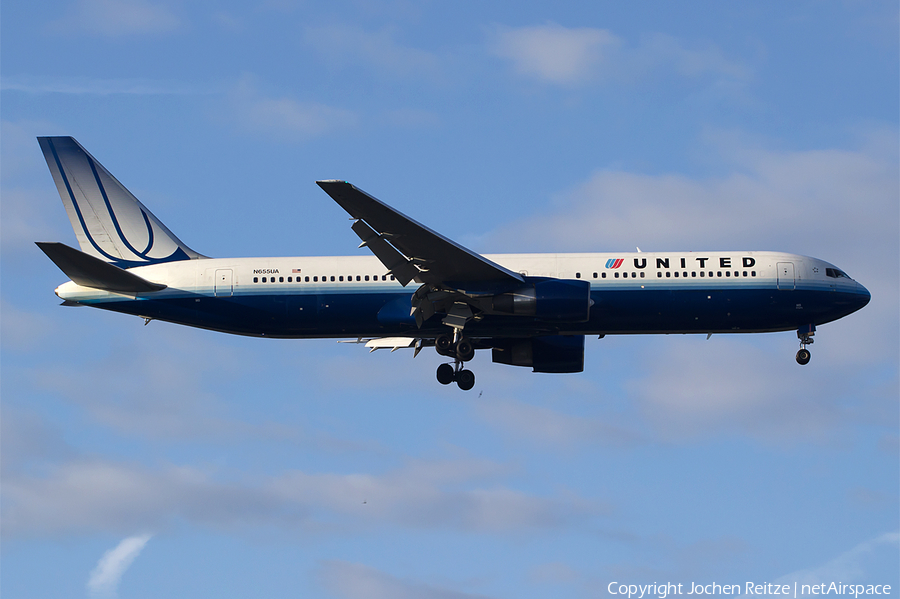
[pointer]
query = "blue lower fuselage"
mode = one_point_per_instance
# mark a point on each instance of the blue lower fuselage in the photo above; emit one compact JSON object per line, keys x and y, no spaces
{"x":307,"y":314}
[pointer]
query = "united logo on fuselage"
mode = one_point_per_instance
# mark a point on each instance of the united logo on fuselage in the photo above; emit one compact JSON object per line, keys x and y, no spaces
{"x":614,"y":262}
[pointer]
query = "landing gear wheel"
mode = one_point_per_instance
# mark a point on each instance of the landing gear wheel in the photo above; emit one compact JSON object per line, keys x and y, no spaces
{"x":445,"y":374}
{"x":443,"y":344}
{"x":465,"y":379}
{"x":803,"y":356}
{"x":464,"y":350}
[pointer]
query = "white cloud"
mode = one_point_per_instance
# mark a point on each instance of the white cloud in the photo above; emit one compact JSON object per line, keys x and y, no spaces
{"x":697,"y":387}
{"x":434,"y":494}
{"x":546,"y":426}
{"x":660,"y":52}
{"x":89,"y":496}
{"x":93,"y":495}
{"x":836,"y":204}
{"x":554,"y":53}
{"x":160,"y":394}
{"x":101,"y":87}
{"x":285,"y":118}
{"x":576,"y":56}
{"x":829,"y":203}
{"x":119,"y":18}
{"x":854,"y":566}
{"x":378,"y":50}
{"x":104,"y":580}
{"x":356,"y":581}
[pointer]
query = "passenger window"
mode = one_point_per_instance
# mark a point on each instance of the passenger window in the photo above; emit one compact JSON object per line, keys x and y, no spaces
{"x":603,"y":275}
{"x":367,"y":277}
{"x":358,"y":277}
{"x":752,"y":273}
{"x":392,"y":277}
{"x":595,"y":275}
{"x":676,"y":274}
{"x":341,"y":278}
{"x":642,"y":274}
{"x":332,"y":278}
{"x":256,"y":279}
{"x":577,"y":275}
{"x":668,"y":274}
{"x":701,"y":274}
{"x":281,"y":279}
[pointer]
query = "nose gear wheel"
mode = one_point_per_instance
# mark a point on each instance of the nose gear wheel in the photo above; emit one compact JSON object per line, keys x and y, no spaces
{"x":805,"y":334}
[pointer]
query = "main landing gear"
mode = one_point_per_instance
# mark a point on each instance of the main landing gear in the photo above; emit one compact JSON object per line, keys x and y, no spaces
{"x":805,"y":335}
{"x":461,"y":350}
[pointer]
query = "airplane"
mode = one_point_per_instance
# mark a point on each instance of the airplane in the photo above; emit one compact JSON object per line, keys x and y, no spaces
{"x":530,"y":310}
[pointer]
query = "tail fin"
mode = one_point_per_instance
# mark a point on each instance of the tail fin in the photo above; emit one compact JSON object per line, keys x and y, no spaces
{"x":109,"y":222}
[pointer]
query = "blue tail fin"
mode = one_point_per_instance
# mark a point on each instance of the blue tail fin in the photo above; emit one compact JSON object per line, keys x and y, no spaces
{"x":109,"y":222}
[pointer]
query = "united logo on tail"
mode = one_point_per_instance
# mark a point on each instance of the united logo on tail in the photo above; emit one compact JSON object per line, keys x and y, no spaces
{"x":109,"y":222}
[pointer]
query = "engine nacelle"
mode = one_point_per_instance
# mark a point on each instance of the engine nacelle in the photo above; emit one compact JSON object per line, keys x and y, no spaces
{"x":555,"y":300}
{"x":552,"y":353}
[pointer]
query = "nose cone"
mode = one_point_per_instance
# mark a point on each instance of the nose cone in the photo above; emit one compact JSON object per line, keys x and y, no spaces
{"x":862,"y":296}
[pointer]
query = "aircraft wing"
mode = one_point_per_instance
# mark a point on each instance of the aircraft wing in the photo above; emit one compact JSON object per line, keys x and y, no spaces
{"x":412,"y":251}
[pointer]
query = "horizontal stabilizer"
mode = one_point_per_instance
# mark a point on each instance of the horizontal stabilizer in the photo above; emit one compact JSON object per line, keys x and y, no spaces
{"x":89,"y":271}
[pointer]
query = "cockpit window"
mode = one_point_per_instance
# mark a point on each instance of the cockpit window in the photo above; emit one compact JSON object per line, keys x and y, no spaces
{"x":836,"y":273}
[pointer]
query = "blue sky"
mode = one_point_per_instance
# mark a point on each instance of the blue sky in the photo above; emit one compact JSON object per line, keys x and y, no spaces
{"x":163,"y":461}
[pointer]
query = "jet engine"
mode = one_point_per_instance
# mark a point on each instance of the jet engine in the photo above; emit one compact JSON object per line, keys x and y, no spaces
{"x":554,"y":300}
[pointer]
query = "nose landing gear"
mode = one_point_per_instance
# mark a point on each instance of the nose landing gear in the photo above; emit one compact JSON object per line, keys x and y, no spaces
{"x":805,"y":335}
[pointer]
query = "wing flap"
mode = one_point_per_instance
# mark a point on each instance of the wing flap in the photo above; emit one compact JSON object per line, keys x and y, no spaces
{"x":403,"y":269}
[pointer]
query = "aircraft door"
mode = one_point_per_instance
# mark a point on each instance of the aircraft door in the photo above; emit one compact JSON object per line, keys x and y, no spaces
{"x":786,"y":276}
{"x":224,"y":282}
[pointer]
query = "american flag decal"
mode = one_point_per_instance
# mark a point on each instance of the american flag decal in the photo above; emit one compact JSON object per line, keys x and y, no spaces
{"x":295,"y":271}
